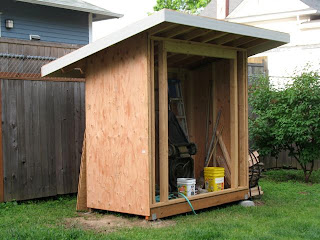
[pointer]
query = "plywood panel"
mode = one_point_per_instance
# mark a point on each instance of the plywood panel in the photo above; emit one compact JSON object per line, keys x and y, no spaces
{"x":196,"y":97}
{"x":221,"y":95}
{"x":117,"y":128}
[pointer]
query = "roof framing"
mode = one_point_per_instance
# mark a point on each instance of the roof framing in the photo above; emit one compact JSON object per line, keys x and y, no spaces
{"x":165,"y":21}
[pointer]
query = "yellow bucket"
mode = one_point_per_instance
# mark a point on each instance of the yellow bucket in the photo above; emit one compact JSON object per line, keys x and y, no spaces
{"x":214,"y":178}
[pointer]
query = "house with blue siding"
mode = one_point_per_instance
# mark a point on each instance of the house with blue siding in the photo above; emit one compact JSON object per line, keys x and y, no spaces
{"x":42,"y":119}
{"x":52,"y":20}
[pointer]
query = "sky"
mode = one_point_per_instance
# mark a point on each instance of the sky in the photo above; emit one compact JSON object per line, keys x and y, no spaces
{"x":133,"y":11}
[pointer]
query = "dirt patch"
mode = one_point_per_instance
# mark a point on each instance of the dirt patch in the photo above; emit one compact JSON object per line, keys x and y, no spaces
{"x":304,"y":193}
{"x":259,"y":203}
{"x":110,"y":223}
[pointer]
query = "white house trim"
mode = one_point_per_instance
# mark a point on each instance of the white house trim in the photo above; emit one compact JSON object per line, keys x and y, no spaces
{"x":90,"y":27}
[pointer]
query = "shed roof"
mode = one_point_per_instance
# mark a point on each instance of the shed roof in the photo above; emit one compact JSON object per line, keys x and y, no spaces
{"x":77,"y":5}
{"x":179,"y":26}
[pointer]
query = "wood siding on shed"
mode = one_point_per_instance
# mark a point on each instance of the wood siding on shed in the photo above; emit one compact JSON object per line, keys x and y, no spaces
{"x":50,"y":23}
{"x":117,"y":140}
{"x":42,"y":127}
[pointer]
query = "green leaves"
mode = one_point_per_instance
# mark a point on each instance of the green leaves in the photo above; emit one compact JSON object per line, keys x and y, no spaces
{"x":287,"y":119}
{"x":190,"y":6}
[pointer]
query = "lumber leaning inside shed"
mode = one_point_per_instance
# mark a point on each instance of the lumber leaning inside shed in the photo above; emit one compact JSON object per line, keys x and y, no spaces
{"x":127,"y":165}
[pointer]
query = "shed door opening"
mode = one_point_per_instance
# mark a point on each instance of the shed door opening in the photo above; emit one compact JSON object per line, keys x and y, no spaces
{"x":197,"y":89}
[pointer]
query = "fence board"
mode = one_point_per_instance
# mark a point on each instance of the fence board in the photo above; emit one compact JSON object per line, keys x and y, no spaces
{"x":43,"y":130}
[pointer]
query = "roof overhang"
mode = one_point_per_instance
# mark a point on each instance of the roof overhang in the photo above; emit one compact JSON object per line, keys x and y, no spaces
{"x":174,"y":25}
{"x":77,"y":5}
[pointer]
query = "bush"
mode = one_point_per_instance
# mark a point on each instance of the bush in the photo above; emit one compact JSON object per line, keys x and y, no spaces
{"x":287,"y":119}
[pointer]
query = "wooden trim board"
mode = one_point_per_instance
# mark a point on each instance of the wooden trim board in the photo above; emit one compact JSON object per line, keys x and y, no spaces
{"x":29,"y":77}
{"x":200,"y":50}
{"x":234,"y":124}
{"x":163,"y":123}
{"x":206,"y":202}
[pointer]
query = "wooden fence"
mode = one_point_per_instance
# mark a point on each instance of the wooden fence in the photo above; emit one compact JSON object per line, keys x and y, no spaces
{"x":43,"y":123}
{"x":42,"y":127}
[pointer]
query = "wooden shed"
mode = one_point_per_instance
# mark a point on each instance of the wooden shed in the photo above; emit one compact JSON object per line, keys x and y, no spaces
{"x":126,"y":99}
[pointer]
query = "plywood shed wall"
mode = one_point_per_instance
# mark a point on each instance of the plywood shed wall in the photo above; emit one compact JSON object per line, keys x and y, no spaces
{"x":117,"y":128}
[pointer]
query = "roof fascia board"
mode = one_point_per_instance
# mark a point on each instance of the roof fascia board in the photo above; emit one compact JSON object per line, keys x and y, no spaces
{"x":155,"y":19}
{"x":273,"y":16}
{"x":224,"y":26}
{"x":94,"y":11}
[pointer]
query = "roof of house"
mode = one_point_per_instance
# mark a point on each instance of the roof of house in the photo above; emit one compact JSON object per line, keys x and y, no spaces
{"x":243,"y":8}
{"x":287,"y":8}
{"x":315,"y":4}
{"x":77,"y":5}
{"x":179,"y":26}
{"x":211,"y":9}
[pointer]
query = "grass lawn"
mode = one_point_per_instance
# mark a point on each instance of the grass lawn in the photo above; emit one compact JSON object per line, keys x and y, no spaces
{"x":290,"y":209}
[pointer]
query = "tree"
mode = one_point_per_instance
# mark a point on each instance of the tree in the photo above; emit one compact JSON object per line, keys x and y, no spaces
{"x":190,"y":6}
{"x":287,"y":119}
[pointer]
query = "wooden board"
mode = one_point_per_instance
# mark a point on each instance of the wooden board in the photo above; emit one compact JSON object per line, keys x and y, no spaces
{"x":34,"y":125}
{"x":82,"y":185}
{"x":163,"y":122}
{"x":196,"y":93}
{"x":234,"y":141}
{"x":221,"y":95}
{"x":117,"y":129}
{"x":243,"y":132}
{"x":205,"y":202}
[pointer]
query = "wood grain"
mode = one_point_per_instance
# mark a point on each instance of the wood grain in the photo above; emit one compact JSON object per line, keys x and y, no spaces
{"x":234,"y":124}
{"x":33,"y":155}
{"x":205,"y":202}
{"x":242,"y":79}
{"x":163,"y":122}
{"x":117,"y":134}
{"x":82,"y":185}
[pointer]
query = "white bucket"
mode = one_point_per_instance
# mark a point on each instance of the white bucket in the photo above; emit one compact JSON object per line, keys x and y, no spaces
{"x":187,"y":186}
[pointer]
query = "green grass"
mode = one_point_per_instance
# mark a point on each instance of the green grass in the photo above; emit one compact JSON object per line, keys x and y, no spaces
{"x":290,"y":209}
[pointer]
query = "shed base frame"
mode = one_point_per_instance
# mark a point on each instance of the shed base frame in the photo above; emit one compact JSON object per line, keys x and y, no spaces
{"x":174,"y":207}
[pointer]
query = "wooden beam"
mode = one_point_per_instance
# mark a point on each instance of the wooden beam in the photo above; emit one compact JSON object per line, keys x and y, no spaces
{"x":206,"y":200}
{"x":152,"y":125}
{"x":36,"y":77}
{"x":234,"y":154}
{"x":163,"y":122}
{"x":82,"y":185}
{"x":241,"y":41}
{"x":194,"y":34}
{"x":226,"y":39}
{"x":242,"y":114}
{"x":176,"y":31}
{"x":211,"y":36}
{"x":200,"y":50}
{"x":224,"y":150}
{"x":161,"y":28}
{"x":194,"y":43}
{"x":1,"y":153}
